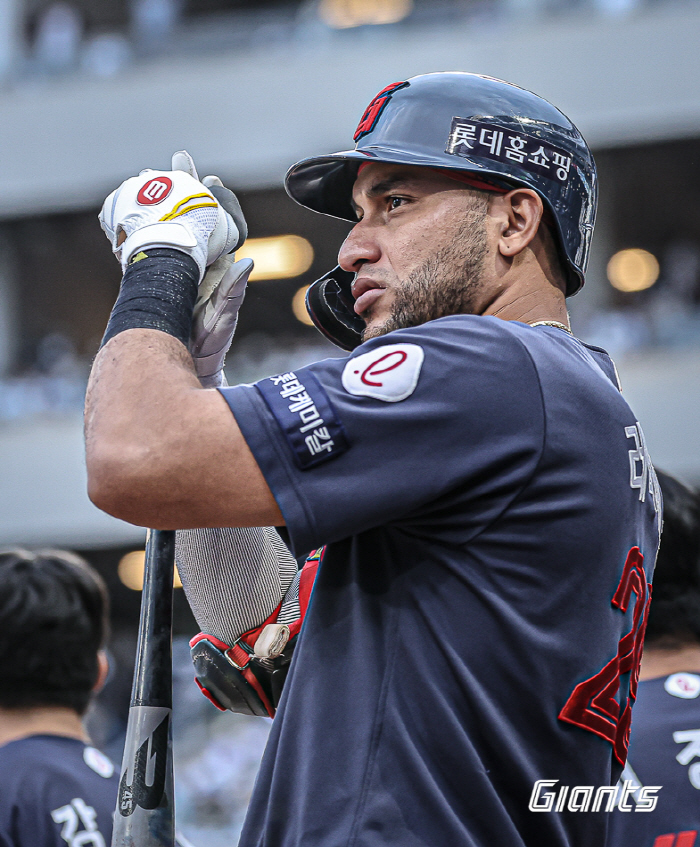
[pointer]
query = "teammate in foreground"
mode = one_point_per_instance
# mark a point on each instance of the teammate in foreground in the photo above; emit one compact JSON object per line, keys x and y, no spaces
{"x":55,"y":789}
{"x":665,"y":738}
{"x":489,"y":510}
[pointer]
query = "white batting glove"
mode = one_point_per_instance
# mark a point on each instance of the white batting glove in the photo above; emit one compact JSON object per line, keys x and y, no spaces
{"x":168,"y":209}
{"x":221,"y":293}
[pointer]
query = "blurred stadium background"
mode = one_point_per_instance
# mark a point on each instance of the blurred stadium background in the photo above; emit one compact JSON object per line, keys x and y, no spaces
{"x":92,"y":91}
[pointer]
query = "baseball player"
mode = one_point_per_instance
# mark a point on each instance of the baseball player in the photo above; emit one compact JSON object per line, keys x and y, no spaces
{"x":55,"y":788}
{"x":665,"y":738}
{"x":479,"y":494}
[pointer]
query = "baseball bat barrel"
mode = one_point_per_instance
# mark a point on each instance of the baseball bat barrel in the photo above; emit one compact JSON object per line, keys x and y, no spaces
{"x":145,"y":814}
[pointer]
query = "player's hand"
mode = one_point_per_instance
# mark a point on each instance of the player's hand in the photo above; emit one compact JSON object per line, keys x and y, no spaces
{"x":170,"y":209}
{"x":221,"y":293}
{"x":228,"y":201}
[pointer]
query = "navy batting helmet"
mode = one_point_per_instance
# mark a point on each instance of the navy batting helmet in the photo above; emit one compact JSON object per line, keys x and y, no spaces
{"x":501,"y":135}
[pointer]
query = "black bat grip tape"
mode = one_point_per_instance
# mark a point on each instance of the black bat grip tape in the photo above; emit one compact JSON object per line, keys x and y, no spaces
{"x":153,"y":676}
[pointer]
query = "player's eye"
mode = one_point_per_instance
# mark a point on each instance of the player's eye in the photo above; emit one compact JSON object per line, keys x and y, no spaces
{"x":395,"y":202}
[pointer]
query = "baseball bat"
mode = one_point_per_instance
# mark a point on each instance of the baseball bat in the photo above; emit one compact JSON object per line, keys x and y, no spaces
{"x":145,"y":814}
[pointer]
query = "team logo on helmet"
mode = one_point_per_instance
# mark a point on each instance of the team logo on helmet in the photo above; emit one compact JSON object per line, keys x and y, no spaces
{"x":371,"y":114}
{"x":154,"y":191}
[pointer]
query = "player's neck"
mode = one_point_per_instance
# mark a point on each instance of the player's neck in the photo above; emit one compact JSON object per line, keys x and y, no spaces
{"x":658,"y":661}
{"x":42,"y":720}
{"x":532,"y":297}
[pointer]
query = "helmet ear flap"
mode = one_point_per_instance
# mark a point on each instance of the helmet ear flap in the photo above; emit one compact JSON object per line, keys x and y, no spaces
{"x":330,"y":305}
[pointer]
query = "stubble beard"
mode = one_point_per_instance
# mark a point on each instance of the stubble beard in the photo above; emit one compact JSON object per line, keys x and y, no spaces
{"x":446,"y":284}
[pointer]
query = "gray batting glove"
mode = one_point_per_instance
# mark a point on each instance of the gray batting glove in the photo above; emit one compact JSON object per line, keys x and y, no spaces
{"x":221,"y":293}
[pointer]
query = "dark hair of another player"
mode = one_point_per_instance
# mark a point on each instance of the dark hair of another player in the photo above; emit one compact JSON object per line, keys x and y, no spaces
{"x":674,"y":616}
{"x":53,"y":621}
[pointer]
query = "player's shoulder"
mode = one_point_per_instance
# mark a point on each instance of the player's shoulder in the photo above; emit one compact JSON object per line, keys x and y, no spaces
{"x":48,"y":781}
{"x":455,"y":327}
{"x":544,"y":353}
{"x":545,"y":345}
{"x":38,"y":756}
{"x":470,"y":357}
{"x":483,"y":356}
{"x":680,"y":690}
{"x":482,"y":330}
{"x":665,"y":717}
{"x":485,"y":341}
{"x":37,"y":746}
{"x":460,"y":336}
{"x":29,"y":769}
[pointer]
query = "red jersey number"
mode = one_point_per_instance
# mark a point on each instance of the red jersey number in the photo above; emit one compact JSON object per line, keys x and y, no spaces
{"x":593,"y":704}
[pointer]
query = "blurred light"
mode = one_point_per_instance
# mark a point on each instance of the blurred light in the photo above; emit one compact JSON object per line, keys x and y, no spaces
{"x":299,"y":306}
{"x":633,"y":270}
{"x":131,"y":568}
{"x":343,"y":14}
{"x":278,"y":257}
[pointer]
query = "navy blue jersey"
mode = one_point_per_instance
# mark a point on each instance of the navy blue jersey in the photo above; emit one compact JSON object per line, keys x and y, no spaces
{"x":55,"y":791}
{"x":664,"y":751}
{"x":491,"y":521}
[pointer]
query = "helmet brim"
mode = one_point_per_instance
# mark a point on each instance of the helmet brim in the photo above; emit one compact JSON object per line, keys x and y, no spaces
{"x":324,"y":183}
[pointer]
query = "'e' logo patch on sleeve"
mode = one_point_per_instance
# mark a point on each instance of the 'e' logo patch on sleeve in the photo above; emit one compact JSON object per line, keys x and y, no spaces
{"x":305,"y":415}
{"x":388,"y":373}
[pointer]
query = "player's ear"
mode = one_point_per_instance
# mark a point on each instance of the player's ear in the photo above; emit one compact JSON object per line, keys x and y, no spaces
{"x":102,"y":671}
{"x":519,"y":213}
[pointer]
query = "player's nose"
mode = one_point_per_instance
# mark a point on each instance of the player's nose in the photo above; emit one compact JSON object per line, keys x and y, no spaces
{"x":359,"y":248}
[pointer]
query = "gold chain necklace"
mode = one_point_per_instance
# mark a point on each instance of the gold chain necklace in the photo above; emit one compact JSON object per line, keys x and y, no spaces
{"x":553,"y":323}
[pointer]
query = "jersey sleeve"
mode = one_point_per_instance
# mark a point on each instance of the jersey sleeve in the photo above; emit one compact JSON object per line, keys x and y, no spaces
{"x":397,"y":431}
